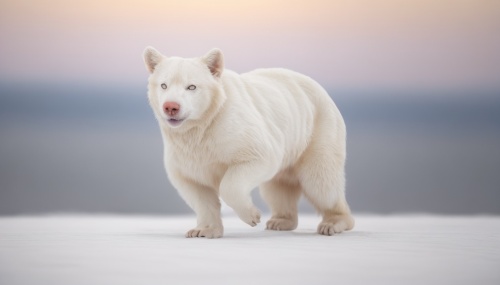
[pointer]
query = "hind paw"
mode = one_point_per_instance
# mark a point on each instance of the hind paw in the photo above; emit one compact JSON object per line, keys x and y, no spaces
{"x":335,"y":225}
{"x":281,"y":224}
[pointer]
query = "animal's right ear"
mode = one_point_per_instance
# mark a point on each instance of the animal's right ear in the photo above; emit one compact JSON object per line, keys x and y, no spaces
{"x":151,"y":58}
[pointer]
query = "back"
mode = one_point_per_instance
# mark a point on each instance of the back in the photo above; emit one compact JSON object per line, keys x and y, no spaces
{"x":282,"y":103}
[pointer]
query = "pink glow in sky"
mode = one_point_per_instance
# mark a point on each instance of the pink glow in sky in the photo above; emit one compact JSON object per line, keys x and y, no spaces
{"x":341,"y":43}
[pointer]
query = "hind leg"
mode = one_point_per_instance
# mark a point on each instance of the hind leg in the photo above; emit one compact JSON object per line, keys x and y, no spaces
{"x":282,"y":198}
{"x":330,"y":202}
{"x":336,"y":220}
{"x":323,"y":180}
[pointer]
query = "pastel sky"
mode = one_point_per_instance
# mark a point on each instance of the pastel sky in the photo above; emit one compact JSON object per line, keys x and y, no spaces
{"x":443,"y":44}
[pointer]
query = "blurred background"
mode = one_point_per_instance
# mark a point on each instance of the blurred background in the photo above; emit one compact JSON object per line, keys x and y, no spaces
{"x":417,"y":81}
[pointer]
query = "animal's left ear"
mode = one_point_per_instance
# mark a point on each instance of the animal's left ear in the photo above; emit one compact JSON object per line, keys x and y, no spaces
{"x":215,"y":62}
{"x":151,"y":58}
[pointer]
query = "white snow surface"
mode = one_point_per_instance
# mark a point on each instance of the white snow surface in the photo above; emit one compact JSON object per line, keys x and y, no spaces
{"x":104,"y":249}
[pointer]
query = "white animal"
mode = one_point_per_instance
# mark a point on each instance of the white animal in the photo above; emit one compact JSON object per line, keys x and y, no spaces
{"x":225,"y":133}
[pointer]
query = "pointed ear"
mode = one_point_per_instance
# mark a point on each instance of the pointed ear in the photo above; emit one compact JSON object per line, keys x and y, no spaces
{"x":151,"y":58}
{"x":215,"y":61}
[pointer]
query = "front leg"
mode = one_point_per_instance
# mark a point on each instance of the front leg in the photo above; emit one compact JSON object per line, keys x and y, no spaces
{"x":205,"y":203}
{"x":237,"y":184}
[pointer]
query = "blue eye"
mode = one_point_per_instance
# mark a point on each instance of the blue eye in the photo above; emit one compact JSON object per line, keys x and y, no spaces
{"x":191,"y":87}
{"x":164,"y":86}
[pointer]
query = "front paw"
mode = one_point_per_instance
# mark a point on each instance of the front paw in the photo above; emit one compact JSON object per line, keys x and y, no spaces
{"x":249,"y":215}
{"x":206,"y":232}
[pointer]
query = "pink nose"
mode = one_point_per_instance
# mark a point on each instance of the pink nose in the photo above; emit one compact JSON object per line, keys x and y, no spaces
{"x":171,"y":108}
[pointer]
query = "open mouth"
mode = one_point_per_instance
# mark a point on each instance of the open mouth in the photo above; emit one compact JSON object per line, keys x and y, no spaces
{"x":174,"y":122}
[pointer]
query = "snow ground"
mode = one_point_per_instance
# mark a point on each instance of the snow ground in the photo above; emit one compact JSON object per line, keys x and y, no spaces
{"x":152,"y":250}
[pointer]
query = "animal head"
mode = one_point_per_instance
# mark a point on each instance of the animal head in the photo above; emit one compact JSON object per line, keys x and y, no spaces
{"x":182,"y":90}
